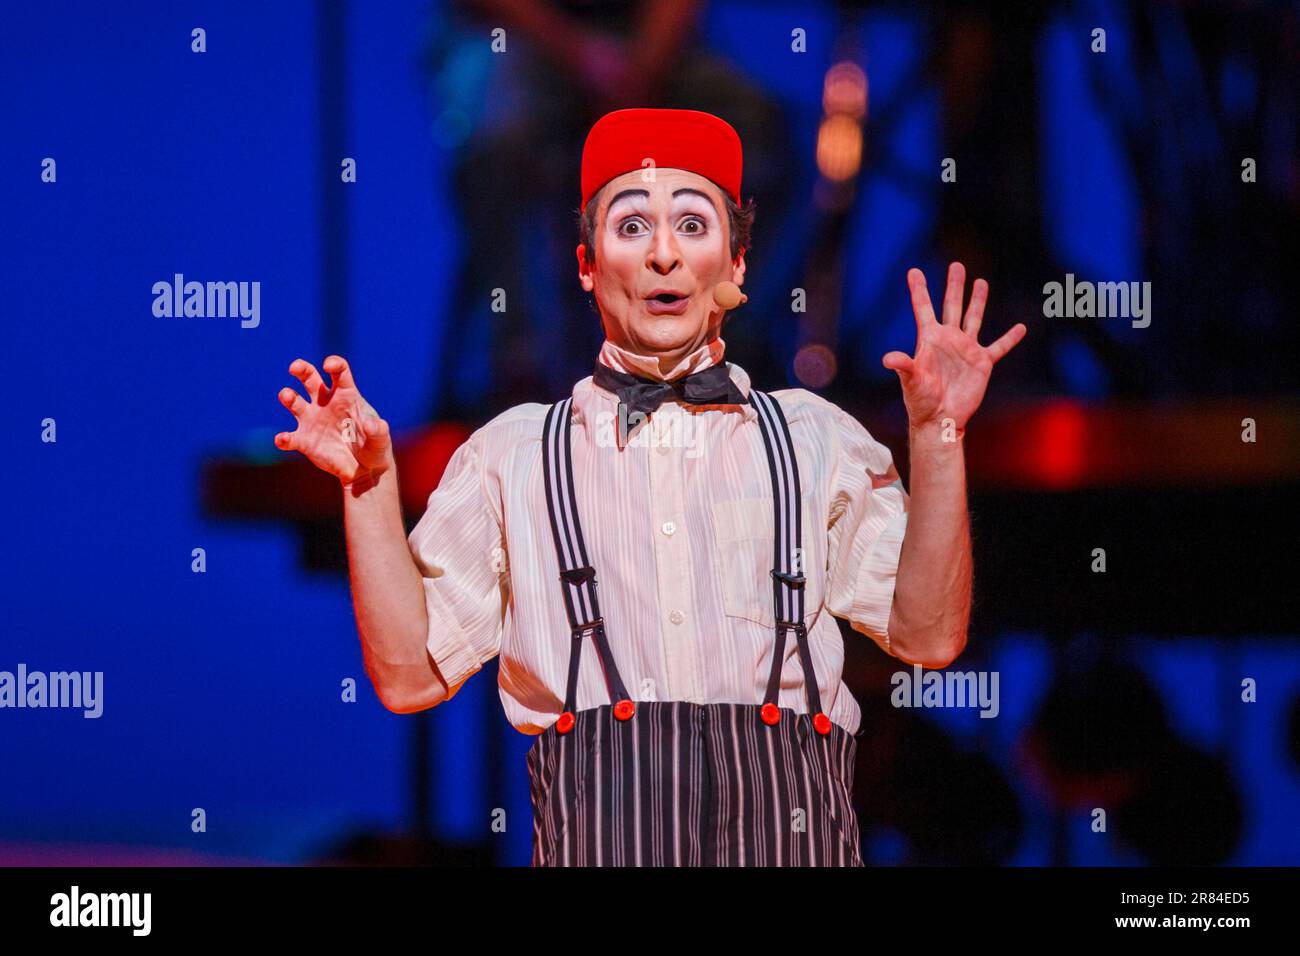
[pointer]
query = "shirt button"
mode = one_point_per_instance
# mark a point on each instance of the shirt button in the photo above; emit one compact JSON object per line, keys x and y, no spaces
{"x":676,"y":617}
{"x":669,"y":527}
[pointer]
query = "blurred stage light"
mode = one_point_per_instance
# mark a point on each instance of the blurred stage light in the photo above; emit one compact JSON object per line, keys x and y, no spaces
{"x":815,"y":366}
{"x":839,"y":148}
{"x":844,"y":91}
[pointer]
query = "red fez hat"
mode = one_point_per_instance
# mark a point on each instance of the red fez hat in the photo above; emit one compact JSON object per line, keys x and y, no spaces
{"x":623,"y":140}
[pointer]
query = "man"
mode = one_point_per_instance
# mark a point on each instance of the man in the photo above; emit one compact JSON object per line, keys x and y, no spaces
{"x":692,"y":534}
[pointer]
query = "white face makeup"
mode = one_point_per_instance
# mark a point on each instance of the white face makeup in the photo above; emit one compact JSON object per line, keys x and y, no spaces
{"x":661,"y":247}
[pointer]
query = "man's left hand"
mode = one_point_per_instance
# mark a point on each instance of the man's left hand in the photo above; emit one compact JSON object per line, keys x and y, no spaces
{"x":947,"y":377}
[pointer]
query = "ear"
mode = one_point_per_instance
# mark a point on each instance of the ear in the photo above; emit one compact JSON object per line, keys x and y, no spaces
{"x":584,"y":269}
{"x":738,"y":268}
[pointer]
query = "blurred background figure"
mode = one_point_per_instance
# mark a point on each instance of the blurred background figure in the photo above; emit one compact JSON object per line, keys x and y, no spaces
{"x":519,"y":120}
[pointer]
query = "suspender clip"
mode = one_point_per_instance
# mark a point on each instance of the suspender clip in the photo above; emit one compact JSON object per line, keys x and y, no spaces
{"x":800,"y":629}
{"x":577,"y":576}
{"x":580,"y":629}
{"x":794,"y":580}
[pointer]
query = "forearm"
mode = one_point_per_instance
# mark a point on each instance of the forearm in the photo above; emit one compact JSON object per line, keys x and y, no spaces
{"x":388,"y":596}
{"x":932,"y":590}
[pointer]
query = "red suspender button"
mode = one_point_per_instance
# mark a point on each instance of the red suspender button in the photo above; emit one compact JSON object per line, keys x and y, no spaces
{"x":823,"y":724}
{"x":624,"y":709}
{"x":771,"y":716}
{"x":565,"y":723}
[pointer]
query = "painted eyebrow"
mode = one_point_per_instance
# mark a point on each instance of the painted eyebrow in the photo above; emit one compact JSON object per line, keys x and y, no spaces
{"x":627,"y":193}
{"x":686,"y":189}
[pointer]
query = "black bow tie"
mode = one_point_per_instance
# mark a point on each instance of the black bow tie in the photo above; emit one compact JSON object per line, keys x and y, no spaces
{"x":710,"y":386}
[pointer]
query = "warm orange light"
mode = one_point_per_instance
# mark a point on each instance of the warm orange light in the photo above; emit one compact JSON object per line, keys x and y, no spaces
{"x":839,"y":148}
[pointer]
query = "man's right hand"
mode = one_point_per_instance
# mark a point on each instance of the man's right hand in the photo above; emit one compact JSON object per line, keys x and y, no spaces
{"x":338,"y":430}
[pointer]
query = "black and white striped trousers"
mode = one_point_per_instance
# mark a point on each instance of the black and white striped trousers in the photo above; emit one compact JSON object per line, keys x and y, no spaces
{"x":685,"y":784}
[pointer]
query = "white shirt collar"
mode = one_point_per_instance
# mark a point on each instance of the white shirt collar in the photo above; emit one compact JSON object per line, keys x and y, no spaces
{"x":623,"y":360}
{"x":590,"y":399}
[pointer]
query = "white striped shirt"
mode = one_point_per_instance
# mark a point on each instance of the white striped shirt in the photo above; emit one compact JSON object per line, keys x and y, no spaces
{"x":678,"y":525}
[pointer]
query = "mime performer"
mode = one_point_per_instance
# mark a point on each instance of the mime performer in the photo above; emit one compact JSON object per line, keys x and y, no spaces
{"x":658,"y":557}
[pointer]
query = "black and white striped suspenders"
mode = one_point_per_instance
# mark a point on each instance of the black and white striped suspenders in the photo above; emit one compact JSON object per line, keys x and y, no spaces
{"x":787,"y":559}
{"x":578,"y":577}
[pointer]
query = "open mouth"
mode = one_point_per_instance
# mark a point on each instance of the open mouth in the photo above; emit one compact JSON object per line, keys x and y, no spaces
{"x":667,"y":303}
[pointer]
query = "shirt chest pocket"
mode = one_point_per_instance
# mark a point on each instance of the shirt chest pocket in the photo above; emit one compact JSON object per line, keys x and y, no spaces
{"x":742,"y":532}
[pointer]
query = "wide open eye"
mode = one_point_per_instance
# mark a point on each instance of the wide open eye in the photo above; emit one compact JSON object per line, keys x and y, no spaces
{"x":635,"y":221}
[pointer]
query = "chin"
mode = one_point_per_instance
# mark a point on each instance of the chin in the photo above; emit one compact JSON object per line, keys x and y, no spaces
{"x":666,"y":333}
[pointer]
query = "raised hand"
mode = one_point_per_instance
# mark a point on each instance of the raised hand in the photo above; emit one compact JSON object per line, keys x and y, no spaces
{"x":947,"y":376}
{"x":337,"y":429}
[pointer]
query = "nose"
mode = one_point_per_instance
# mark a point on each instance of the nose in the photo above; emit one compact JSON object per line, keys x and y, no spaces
{"x":664,"y":254}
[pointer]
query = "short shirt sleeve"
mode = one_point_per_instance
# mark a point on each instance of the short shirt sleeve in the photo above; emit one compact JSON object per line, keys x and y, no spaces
{"x":460,"y":552}
{"x":867,"y":521}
